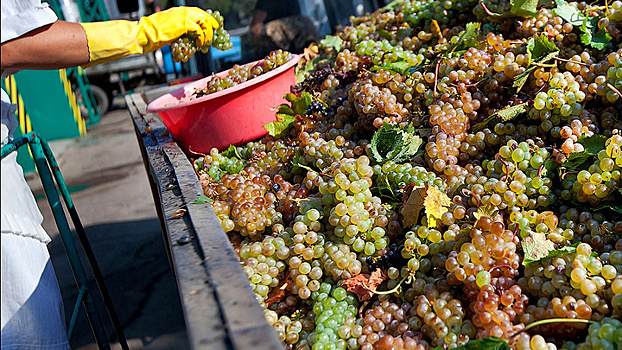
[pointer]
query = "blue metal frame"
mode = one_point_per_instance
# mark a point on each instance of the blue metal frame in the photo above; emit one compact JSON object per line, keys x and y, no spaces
{"x":53,"y":183}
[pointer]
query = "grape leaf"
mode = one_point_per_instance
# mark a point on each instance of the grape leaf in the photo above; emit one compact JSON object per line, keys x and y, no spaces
{"x":394,"y":142}
{"x":278,"y":293}
{"x":403,"y":33}
{"x":364,"y":285}
{"x":593,"y":144}
{"x":540,"y":47}
{"x":278,"y":128}
{"x":536,"y":246}
{"x":487,"y":210}
{"x":299,"y":104}
{"x":286,"y":114}
{"x":509,"y":113}
{"x":551,"y":166}
{"x":569,"y":13}
{"x":413,"y":205}
{"x":524,"y":8}
{"x":201,"y":199}
{"x":600,"y":40}
{"x":332,"y":41}
{"x":399,"y":66}
{"x":231,"y":152}
{"x":469,"y":37}
{"x":521,"y":79}
{"x":488,"y":343}
{"x":553,"y":253}
{"x":505,"y":114}
{"x":578,"y":161}
{"x":436,"y":204}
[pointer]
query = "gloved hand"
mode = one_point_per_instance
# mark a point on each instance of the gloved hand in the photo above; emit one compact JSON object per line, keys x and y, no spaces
{"x":111,"y":40}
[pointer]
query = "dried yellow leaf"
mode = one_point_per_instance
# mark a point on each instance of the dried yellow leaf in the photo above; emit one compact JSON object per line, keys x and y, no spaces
{"x":436,"y":204}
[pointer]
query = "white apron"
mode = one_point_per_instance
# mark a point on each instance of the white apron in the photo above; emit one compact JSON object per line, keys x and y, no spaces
{"x":32,"y":313}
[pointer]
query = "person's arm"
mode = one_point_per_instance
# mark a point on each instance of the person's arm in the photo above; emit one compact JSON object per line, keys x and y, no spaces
{"x":64,"y":44}
{"x":259,"y":17}
{"x":58,"y":45}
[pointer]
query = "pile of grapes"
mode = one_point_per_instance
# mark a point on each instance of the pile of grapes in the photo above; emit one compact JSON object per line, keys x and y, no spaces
{"x":450,"y":177}
{"x":240,"y":74}
{"x":185,"y":46}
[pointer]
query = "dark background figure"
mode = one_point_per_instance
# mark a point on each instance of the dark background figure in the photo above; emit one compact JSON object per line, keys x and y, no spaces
{"x":280,"y":25}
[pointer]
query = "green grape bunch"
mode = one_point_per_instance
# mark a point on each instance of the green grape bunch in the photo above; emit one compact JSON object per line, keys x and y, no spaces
{"x":185,"y":46}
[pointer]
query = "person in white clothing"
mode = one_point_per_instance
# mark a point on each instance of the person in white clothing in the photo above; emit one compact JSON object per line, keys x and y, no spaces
{"x":32,"y":314}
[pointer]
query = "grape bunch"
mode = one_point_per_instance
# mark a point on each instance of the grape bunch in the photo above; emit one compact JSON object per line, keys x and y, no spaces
{"x":240,"y":74}
{"x":185,"y":46}
{"x":505,"y":222}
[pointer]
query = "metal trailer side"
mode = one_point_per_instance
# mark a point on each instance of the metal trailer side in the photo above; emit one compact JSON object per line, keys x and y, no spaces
{"x":219,"y":306}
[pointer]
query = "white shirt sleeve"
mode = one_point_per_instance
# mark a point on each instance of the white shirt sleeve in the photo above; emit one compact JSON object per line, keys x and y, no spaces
{"x":22,"y":16}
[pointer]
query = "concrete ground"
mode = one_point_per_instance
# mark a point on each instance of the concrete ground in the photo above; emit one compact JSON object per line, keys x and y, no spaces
{"x":110,"y":189}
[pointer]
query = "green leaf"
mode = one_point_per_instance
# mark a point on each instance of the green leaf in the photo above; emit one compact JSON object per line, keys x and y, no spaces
{"x":509,"y":113}
{"x":332,"y":41}
{"x":578,"y":161}
{"x":400,"y":67}
{"x":393,"y":142}
{"x":403,"y":33}
{"x":593,"y":144}
{"x":201,"y":199}
{"x":286,"y":114}
{"x":540,"y":47}
{"x":505,"y":114}
{"x":551,"y":166}
{"x":469,"y":37}
{"x":278,"y":128}
{"x":553,"y":253}
{"x":488,"y":343}
{"x":600,"y":40}
{"x":411,"y":145}
{"x":231,"y":152}
{"x":521,"y":79}
{"x":524,"y":8}
{"x":299,"y":104}
{"x":296,"y":164}
{"x":592,"y":36}
{"x":383,"y":33}
{"x":569,"y":13}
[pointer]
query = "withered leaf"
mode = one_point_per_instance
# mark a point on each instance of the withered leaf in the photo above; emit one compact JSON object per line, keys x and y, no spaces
{"x":412,"y":206}
{"x":278,"y":293}
{"x":485,"y":210}
{"x":364,"y":285}
{"x":536,"y":246}
{"x":436,"y":204}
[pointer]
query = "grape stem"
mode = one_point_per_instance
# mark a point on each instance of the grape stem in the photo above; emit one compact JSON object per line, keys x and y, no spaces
{"x":568,"y":173}
{"x":466,"y":191}
{"x":436,"y":74}
{"x":614,"y":89}
{"x":490,"y":13}
{"x":499,"y":267}
{"x":551,"y":320}
{"x":390,"y":291}
{"x":569,"y":61}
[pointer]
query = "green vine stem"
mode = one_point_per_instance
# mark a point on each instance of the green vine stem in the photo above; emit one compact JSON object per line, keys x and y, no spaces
{"x":391,"y":291}
{"x":551,"y":320}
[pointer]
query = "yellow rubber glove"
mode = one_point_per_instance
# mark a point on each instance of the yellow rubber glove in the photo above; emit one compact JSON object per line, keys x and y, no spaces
{"x":111,"y":40}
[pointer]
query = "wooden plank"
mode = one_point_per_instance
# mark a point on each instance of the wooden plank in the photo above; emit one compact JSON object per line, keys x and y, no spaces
{"x":205,"y":325}
{"x":226,"y":287}
{"x":239,"y":306}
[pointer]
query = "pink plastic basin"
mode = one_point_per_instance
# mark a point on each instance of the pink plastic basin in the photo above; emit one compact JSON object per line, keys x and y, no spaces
{"x":230,"y":117}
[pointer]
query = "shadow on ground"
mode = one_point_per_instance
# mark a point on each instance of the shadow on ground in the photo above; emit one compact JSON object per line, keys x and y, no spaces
{"x":133,"y":260}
